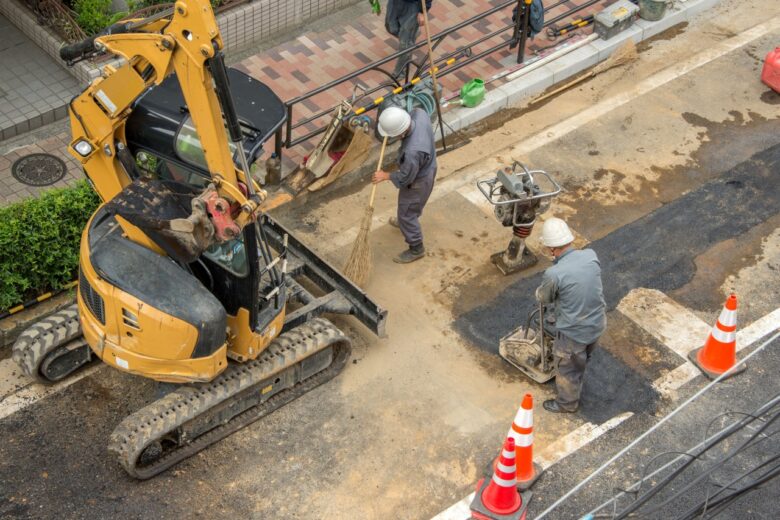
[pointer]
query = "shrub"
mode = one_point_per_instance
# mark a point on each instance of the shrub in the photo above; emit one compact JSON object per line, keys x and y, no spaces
{"x":95,"y":15}
{"x":39,"y":242}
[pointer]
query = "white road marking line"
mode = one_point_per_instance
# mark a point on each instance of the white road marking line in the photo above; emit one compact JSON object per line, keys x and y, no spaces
{"x":666,"y":320}
{"x":667,"y":385}
{"x":643,"y":87}
{"x":11,"y":378}
{"x":24,"y":392}
{"x":471,"y":193}
{"x":682,"y":331}
{"x":553,"y":453}
{"x":758,"y":329}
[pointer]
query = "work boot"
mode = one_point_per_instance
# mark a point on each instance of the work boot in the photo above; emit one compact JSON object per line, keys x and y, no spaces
{"x":393,"y":222}
{"x":410,"y":255}
{"x":551,"y":405}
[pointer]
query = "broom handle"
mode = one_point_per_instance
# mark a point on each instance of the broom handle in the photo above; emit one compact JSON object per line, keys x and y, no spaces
{"x":378,"y":167}
{"x":433,"y":74}
{"x":566,"y":86}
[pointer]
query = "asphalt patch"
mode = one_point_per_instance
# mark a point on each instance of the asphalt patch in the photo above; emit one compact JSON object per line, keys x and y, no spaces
{"x":656,"y":251}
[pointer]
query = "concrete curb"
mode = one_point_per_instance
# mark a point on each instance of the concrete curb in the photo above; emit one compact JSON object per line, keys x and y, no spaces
{"x":527,"y":85}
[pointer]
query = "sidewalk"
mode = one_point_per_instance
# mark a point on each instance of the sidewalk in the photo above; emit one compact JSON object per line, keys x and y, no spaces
{"x":313,"y":59}
{"x":34,"y":90}
{"x":303,"y":64}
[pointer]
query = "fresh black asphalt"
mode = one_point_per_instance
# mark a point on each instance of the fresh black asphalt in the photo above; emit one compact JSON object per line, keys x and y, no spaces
{"x":656,"y":251}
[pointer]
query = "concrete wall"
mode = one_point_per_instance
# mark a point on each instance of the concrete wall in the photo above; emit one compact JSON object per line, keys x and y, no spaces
{"x":264,"y":19}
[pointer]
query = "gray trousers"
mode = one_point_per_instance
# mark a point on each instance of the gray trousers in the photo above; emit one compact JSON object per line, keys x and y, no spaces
{"x":401,"y":22}
{"x":572,"y":359}
{"x":411,"y":201}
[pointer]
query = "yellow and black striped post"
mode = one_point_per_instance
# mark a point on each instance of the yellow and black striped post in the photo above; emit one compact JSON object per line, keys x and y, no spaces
{"x":378,"y":101}
{"x":37,"y":300}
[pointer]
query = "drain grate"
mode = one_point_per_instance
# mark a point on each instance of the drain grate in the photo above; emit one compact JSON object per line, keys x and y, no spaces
{"x":38,"y":169}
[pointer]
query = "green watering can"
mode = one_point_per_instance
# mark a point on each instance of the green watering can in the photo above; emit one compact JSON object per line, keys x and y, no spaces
{"x":472,"y":93}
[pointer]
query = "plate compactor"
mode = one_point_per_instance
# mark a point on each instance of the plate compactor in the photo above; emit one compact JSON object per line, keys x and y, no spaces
{"x":530,"y":348}
{"x":517,"y":200}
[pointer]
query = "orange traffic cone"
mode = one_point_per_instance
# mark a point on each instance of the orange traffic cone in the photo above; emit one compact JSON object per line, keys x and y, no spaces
{"x":498,"y":497}
{"x":719,"y":353}
{"x":522,"y":431}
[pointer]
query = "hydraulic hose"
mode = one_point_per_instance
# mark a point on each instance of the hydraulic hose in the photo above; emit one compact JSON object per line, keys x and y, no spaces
{"x":80,"y":50}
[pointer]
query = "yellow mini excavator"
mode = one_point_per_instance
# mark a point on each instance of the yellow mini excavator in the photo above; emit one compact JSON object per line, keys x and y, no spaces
{"x":183,"y":277}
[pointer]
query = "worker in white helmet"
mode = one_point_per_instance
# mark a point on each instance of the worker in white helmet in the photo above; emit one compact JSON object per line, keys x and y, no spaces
{"x":573,"y":285}
{"x":415,"y":175}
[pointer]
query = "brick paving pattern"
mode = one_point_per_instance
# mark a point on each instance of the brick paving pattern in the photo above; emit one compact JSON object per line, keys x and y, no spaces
{"x":34,"y":90}
{"x":301,"y":65}
{"x":315,"y":58}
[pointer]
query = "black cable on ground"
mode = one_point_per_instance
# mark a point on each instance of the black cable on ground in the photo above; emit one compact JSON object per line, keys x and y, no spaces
{"x":726,"y":433}
{"x":768,"y":408}
{"x":711,"y":506}
{"x":705,"y":474}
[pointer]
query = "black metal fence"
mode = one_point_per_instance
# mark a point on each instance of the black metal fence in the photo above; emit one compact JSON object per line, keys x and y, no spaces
{"x":446,"y":64}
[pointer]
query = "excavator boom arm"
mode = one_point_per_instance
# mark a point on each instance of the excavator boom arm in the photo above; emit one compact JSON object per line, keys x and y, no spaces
{"x":184,"y":40}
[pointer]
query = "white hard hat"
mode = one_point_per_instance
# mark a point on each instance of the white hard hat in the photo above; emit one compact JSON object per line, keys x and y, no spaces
{"x":556,"y":233}
{"x":393,"y":121}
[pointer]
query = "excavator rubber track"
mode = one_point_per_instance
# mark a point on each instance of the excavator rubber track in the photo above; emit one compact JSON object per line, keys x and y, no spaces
{"x":192,"y":418}
{"x":52,"y":348}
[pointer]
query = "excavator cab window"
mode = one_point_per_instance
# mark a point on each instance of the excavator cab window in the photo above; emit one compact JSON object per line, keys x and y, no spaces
{"x":158,"y":168}
{"x":230,"y":255}
{"x":188,"y":146}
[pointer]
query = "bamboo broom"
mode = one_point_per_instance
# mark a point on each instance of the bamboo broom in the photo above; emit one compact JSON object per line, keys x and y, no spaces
{"x":358,"y":266}
{"x":626,"y":53}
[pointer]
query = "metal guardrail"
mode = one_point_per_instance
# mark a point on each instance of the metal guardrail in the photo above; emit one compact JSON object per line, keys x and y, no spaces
{"x":445,"y":65}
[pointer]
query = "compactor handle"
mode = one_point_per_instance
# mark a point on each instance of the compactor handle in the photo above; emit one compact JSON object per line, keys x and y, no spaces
{"x":80,"y":50}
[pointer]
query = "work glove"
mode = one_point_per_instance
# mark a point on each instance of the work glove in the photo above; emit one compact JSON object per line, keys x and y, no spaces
{"x":376,"y":7}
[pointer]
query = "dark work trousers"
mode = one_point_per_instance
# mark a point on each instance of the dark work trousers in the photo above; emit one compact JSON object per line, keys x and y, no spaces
{"x":572,"y":359}
{"x":401,"y":22}
{"x":411,"y":201}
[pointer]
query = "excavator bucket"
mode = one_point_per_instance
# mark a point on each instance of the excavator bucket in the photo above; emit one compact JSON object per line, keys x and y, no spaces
{"x":344,"y":146}
{"x":349,"y":150}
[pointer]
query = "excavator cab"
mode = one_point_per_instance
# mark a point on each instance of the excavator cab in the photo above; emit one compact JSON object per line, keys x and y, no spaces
{"x":162,"y":137}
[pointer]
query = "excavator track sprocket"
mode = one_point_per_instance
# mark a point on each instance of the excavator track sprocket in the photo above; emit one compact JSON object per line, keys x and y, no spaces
{"x":192,"y":418}
{"x":52,"y":348}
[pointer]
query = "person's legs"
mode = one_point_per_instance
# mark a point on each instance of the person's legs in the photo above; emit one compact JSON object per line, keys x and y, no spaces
{"x":409,"y":211}
{"x":407,"y":35}
{"x":411,"y":202}
{"x":392,"y":22}
{"x":573,"y":358}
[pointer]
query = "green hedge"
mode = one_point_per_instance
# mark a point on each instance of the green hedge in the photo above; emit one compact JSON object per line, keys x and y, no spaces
{"x":39,"y":242}
{"x":95,"y":15}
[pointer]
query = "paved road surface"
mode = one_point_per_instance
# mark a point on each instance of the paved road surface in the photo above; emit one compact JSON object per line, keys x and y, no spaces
{"x":407,"y":429}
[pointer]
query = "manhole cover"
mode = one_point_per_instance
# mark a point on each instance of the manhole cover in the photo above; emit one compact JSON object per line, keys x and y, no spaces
{"x":38,"y":169}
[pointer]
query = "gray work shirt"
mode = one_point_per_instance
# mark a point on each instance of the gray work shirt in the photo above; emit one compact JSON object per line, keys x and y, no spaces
{"x":417,"y":157}
{"x":573,"y":283}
